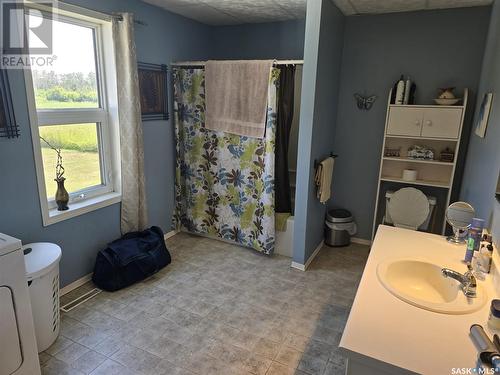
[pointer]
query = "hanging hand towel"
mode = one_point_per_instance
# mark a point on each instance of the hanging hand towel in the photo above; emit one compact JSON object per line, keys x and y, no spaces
{"x":323,"y":179}
{"x":236,"y":96}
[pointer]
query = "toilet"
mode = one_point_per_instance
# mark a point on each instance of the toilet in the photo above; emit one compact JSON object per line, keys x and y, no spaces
{"x":409,"y":208}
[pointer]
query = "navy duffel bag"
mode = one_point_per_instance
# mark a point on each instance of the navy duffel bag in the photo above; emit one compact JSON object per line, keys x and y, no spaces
{"x":132,"y":258}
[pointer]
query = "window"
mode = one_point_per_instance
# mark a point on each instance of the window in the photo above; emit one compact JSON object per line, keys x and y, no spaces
{"x":73,"y":108}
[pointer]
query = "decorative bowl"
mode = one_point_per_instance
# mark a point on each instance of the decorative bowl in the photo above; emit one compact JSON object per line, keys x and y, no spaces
{"x":447,"y":101}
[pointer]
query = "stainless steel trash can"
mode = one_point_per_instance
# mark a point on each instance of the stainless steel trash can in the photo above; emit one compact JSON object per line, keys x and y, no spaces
{"x":339,"y":227}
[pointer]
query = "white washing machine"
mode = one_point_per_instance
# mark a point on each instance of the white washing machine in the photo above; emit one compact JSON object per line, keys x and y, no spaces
{"x":18,"y":351}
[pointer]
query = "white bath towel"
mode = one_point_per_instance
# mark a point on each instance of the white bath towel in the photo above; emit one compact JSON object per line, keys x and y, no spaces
{"x":236,"y":96}
{"x":323,"y":179}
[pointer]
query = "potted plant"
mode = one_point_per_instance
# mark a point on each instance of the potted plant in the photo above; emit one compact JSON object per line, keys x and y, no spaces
{"x":62,"y":196}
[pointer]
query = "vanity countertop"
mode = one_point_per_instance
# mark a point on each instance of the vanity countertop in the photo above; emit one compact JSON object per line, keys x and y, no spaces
{"x":397,"y":337}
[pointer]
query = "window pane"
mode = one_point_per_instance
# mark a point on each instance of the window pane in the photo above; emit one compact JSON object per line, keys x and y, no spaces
{"x":71,"y":80}
{"x":80,"y":156}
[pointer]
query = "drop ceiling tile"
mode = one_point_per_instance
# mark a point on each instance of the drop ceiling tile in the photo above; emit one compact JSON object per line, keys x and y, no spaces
{"x":196,"y":10}
{"x":227,"y":12}
{"x":244,"y":7}
{"x":388,"y":6}
{"x":172,"y":3}
{"x":345,"y":6}
{"x":296,"y":8}
{"x":205,"y":14}
{"x":297,"y":13}
{"x":253,"y":12}
{"x":442,"y":4}
{"x":264,"y":18}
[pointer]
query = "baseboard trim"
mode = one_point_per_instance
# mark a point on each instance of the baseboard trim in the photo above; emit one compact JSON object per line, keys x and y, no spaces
{"x":303,"y":267}
{"x":313,"y":255}
{"x":298,"y":266}
{"x":75,"y":284}
{"x":361,"y":241}
{"x":170,"y":234}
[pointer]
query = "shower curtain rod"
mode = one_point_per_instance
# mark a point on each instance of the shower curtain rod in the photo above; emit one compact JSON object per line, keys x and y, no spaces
{"x":202,"y":63}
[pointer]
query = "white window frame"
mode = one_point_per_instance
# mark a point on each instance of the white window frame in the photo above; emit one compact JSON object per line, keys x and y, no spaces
{"x":106,"y":116}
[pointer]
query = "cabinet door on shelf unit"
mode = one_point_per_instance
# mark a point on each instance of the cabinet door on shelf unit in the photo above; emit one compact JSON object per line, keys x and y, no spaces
{"x":405,"y":121}
{"x":442,"y":123}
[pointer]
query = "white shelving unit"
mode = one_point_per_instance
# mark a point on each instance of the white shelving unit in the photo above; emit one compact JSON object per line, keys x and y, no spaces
{"x":435,"y":126}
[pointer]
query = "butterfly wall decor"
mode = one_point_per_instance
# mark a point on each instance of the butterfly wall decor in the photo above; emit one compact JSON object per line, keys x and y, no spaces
{"x":365,"y":102}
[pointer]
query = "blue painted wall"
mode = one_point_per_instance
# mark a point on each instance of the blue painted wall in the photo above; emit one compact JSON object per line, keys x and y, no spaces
{"x":276,"y":40}
{"x":377,"y":49}
{"x":320,"y":84}
{"x":169,"y":37}
{"x":483,"y":156}
{"x":309,"y":72}
{"x":166,"y":38}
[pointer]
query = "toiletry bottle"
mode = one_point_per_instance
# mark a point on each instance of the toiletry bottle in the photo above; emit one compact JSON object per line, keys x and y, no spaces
{"x":473,"y":238}
{"x":406,"y":98}
{"x":477,"y":268}
{"x":487,"y":238}
{"x":400,"y":91}
{"x":393,"y":92}
{"x":413,"y":88}
{"x":494,"y":317}
{"x":485,"y":257}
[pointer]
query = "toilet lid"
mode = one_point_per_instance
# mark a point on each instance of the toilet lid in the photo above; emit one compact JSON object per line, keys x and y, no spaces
{"x":409,"y":208}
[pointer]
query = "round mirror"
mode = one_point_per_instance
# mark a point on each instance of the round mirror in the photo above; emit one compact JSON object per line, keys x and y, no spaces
{"x":459,"y":215}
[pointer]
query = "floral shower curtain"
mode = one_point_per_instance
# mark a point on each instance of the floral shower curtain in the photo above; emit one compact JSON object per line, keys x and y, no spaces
{"x":224,"y":183}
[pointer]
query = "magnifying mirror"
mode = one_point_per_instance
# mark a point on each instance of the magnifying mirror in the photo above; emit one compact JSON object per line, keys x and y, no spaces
{"x":459,"y":215}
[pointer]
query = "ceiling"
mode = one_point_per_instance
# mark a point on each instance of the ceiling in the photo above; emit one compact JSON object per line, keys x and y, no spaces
{"x":232,"y":12}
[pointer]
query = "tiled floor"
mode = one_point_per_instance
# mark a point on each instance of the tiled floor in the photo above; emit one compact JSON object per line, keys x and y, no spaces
{"x":217,"y":309}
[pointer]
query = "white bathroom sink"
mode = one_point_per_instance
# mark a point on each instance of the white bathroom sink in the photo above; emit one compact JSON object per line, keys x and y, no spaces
{"x":421,"y":284}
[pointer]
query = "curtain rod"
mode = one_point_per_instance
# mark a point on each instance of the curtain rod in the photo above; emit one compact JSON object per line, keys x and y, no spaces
{"x":120,"y":18}
{"x":202,"y":63}
{"x":94,"y":13}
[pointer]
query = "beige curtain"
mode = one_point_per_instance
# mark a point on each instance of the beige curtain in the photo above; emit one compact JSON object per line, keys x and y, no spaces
{"x":133,"y":207}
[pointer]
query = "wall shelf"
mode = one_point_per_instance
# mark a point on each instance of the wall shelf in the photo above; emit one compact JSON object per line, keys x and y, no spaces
{"x":421,"y":138}
{"x":437,"y":127}
{"x":437,"y":184}
{"x":424,"y":161}
{"x":425,"y":106}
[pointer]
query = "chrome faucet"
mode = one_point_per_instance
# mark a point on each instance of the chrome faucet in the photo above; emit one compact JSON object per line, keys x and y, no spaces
{"x":467,"y":280}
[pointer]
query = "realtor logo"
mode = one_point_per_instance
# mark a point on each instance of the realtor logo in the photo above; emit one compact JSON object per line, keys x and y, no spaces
{"x":26,"y":33}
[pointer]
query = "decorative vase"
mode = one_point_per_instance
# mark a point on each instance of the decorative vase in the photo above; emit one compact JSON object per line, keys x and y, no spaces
{"x":62,"y":196}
